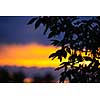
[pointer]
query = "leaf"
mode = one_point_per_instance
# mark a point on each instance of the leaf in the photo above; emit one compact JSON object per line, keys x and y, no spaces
{"x":68,"y":50}
{"x":59,"y":53}
{"x":86,"y":52}
{"x":53,"y":55}
{"x":46,"y":29}
{"x":60,"y":58}
{"x":55,"y":42}
{"x":98,"y":57}
{"x":51,"y":35}
{"x":31,"y":21}
{"x":65,"y":63}
{"x":98,"y":53}
{"x":38,"y":22}
{"x":79,"y":58}
{"x":64,"y":53}
{"x":88,"y":58}
{"x":72,"y":57}
{"x":59,"y":68}
{"x":90,"y":65}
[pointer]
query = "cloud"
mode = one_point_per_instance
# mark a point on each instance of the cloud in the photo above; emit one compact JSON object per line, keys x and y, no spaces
{"x":27,"y":55}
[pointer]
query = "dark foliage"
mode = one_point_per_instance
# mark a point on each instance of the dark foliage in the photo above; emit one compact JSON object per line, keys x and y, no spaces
{"x":18,"y":77}
{"x":7,"y":77}
{"x":81,"y":40}
{"x":4,"y":76}
{"x":48,"y":78}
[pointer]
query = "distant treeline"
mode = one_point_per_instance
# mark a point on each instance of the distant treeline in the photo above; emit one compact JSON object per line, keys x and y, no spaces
{"x":15,"y":74}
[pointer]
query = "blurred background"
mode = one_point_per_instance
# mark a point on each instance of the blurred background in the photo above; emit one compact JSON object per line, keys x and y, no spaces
{"x":14,"y":74}
{"x":24,"y":52}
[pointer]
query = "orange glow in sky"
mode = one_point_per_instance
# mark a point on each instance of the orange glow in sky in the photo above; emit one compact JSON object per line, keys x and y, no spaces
{"x":27,"y":55}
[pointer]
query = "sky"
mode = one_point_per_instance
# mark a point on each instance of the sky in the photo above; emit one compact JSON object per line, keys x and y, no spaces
{"x":22,"y":45}
{"x":14,"y":30}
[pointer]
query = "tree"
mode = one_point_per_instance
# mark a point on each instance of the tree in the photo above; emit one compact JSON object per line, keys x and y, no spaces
{"x":81,"y":41}
{"x":4,"y":76}
{"x":18,"y":77}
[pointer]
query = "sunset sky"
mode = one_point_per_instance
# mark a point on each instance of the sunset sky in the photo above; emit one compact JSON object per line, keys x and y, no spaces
{"x":21,"y":45}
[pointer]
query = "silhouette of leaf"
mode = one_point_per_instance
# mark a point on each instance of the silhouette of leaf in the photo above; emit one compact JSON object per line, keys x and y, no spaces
{"x":64,"y":53}
{"x":88,"y":58}
{"x":60,"y":58}
{"x":38,"y":22}
{"x":46,"y":29}
{"x":59,"y":68}
{"x":53,"y":55}
{"x":77,"y":33}
{"x":79,"y":58}
{"x":65,"y":64}
{"x":31,"y":21}
{"x":55,"y":42}
{"x":59,"y":53}
{"x":51,"y":35}
{"x":68,"y":50}
{"x":98,"y":57}
{"x":96,"y":63}
{"x":73,"y":56}
{"x":90,"y":65}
